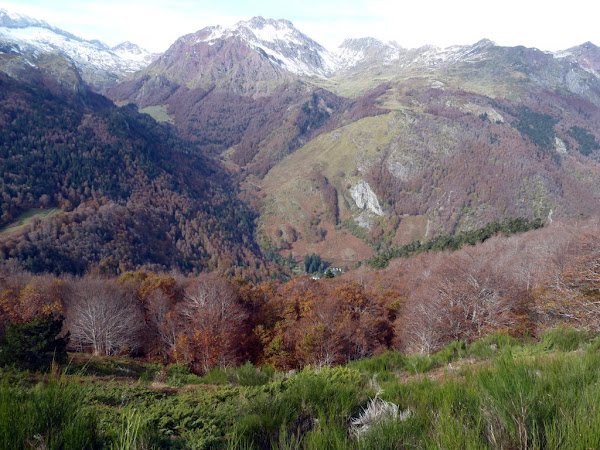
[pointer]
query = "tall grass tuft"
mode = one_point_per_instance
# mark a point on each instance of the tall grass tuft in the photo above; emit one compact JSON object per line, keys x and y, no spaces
{"x":511,"y":404}
{"x":129,"y":436}
{"x":248,"y":375}
{"x":564,"y":339}
{"x":51,"y":415}
{"x":494,"y":344}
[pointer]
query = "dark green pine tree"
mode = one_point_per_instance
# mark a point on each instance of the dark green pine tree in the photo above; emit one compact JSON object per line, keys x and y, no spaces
{"x":34,"y":345}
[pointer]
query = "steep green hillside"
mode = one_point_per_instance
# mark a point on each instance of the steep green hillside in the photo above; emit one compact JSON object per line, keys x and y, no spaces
{"x":443,"y":161}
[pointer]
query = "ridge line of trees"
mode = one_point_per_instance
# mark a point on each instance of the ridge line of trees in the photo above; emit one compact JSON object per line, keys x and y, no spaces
{"x":442,"y":242}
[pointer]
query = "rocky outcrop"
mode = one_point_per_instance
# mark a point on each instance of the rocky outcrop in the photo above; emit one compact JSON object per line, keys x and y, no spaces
{"x":365,"y":198}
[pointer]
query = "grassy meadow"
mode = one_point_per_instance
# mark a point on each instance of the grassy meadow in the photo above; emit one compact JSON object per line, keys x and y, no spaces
{"x":27,"y":217}
{"x":498,"y":392}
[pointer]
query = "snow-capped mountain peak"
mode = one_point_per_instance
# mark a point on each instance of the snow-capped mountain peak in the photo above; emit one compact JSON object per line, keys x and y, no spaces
{"x":284,"y":45}
{"x":99,"y":65}
{"x":11,"y":19}
{"x":355,"y":51}
{"x":129,"y":51}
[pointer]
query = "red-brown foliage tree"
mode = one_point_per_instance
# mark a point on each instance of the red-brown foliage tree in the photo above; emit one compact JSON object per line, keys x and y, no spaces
{"x":210,"y":319}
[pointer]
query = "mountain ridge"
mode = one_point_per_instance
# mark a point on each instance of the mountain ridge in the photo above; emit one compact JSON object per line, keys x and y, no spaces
{"x":100,"y":65}
{"x":283,"y":51}
{"x":393,"y":146}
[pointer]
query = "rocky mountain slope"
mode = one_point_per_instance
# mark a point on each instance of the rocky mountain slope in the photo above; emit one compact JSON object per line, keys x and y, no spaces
{"x":348,"y":152}
{"x":382,"y":145}
{"x":100,"y":66}
{"x":254,"y":57}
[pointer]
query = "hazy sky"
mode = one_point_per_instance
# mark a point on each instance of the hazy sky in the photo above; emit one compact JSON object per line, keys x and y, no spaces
{"x":155,"y":24}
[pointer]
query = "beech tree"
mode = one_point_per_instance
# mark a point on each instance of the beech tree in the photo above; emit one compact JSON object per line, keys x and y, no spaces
{"x":211,"y":319}
{"x":103,"y":317}
{"x":571,"y":294}
{"x":162,"y":324}
{"x":465,"y":295}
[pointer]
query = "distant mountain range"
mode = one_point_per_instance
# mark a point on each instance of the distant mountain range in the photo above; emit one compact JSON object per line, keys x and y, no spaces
{"x":246,"y":56}
{"x":347,"y":152}
{"x":100,"y":66}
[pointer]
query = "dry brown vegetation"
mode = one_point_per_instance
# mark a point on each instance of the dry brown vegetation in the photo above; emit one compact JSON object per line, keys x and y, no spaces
{"x":518,"y":285}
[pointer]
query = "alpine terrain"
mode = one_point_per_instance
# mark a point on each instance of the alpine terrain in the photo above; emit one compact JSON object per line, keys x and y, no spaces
{"x":372,"y":145}
{"x":349,"y":152}
{"x":253,"y":241}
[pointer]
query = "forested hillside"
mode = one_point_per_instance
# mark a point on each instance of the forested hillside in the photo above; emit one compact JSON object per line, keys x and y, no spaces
{"x":131,"y":192}
{"x":518,"y":285}
{"x":390,"y":146}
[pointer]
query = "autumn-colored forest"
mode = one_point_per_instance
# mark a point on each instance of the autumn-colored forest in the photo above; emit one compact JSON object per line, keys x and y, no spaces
{"x":111,"y":172}
{"x":518,"y":285}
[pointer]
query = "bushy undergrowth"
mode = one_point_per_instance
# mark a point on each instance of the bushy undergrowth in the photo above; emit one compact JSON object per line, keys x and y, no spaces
{"x":494,"y":344}
{"x":50,"y":415}
{"x":505,"y":393}
{"x":564,"y":339}
{"x":179,"y":375}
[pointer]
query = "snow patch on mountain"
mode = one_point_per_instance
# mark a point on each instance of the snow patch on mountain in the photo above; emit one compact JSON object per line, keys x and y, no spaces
{"x":22,"y":34}
{"x":11,"y":19}
{"x":283,"y":44}
{"x":350,"y":57}
{"x":354,"y":52}
{"x":129,"y":51}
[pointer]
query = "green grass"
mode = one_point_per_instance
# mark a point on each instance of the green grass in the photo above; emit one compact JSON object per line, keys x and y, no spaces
{"x":85,"y":364}
{"x":564,"y":339}
{"x":158,"y":113}
{"x":506,"y":393}
{"x":24,"y":219}
{"x":49,"y":414}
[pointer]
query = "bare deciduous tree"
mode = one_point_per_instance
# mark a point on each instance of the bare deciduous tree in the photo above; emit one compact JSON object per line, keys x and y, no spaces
{"x":103,"y":317}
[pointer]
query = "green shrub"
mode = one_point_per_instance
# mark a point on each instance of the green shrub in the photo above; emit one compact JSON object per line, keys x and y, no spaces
{"x":179,"y":375}
{"x":34,"y":345}
{"x":492,"y":345}
{"x":149,"y":374}
{"x":216,"y":375}
{"x":564,"y":339}
{"x":334,"y":375}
